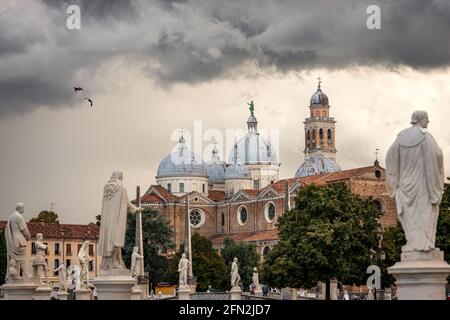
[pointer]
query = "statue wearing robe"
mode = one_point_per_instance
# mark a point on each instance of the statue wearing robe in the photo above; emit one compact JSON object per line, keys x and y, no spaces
{"x":16,"y":236}
{"x":255,"y":280}
{"x":183,"y":266}
{"x":235,"y":278}
{"x":415,"y":177}
{"x":136,"y":263}
{"x":83,"y":260}
{"x":113,"y":222}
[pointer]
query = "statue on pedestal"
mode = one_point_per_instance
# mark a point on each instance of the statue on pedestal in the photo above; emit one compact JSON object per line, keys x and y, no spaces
{"x":235,"y":278}
{"x":113,"y":222}
{"x":183,"y":267}
{"x":38,"y":263}
{"x":136,"y":270}
{"x":83,"y":260}
{"x":415,"y":177}
{"x":16,"y":235}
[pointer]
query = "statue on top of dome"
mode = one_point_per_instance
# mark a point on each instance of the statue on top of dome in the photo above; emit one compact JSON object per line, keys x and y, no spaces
{"x":252,"y":107}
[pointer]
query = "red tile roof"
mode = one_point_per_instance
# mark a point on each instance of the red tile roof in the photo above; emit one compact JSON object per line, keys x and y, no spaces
{"x":61,"y":231}
{"x":247,"y":237}
{"x":252,"y":193}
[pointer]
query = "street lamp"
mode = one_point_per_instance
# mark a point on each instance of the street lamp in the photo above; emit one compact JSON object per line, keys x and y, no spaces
{"x":382,"y":255}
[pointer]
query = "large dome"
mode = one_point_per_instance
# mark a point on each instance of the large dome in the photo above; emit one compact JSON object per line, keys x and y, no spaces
{"x":318,"y":164}
{"x":182,"y":163}
{"x":216,"y":169}
{"x":254,"y":149}
{"x":319,"y":97}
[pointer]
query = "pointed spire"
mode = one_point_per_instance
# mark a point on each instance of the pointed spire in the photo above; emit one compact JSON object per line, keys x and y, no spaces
{"x":319,"y":83}
{"x":235,"y":154}
{"x":215,"y":151}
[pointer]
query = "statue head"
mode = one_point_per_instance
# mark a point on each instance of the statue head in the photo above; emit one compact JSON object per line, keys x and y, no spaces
{"x":135,"y":249}
{"x":183,"y":256}
{"x":117,"y":175}
{"x":85,"y":244}
{"x":255,"y":270}
{"x":420,"y":118}
{"x":235,"y":259}
{"x":20,"y":207}
{"x":39,"y":237}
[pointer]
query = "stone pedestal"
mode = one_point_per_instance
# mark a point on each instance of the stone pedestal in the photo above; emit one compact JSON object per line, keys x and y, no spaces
{"x":42,"y":293}
{"x":62,"y":295}
{"x":421,"y":275}
{"x":136,"y":293}
{"x":288,"y":294}
{"x":184,"y":293}
{"x":192,"y":283}
{"x":82,"y":294}
{"x":333,"y":289}
{"x":236,"y":293}
{"x":21,"y":289}
{"x":114,"y":284}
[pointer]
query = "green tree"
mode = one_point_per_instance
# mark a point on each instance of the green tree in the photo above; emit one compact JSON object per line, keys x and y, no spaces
{"x":157,"y":240}
{"x":247,"y":256}
{"x":208,"y":266}
{"x":443,"y":224}
{"x":393,"y":240}
{"x":3,"y":254}
{"x":327,"y":235}
{"x":46,"y":217}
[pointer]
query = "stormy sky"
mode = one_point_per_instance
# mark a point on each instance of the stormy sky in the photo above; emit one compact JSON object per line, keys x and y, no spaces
{"x":154,"y":67}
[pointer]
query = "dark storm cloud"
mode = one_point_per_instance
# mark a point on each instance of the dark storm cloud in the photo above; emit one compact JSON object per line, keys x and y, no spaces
{"x":195,"y":41}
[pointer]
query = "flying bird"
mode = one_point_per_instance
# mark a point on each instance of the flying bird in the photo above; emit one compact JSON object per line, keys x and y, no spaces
{"x":77,"y":89}
{"x":90,"y":101}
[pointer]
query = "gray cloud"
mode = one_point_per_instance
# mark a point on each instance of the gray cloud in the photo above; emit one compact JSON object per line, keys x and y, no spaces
{"x":197,"y":41}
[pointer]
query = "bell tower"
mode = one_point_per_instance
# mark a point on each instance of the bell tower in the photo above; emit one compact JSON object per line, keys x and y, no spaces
{"x":319,"y":127}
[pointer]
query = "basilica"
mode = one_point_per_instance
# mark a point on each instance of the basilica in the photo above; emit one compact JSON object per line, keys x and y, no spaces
{"x":242,"y":198}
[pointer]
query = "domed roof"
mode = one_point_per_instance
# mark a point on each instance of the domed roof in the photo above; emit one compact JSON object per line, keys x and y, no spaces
{"x":318,"y":164}
{"x":216,"y":168}
{"x":253,"y":148}
{"x":319,"y":97}
{"x":237,"y":170}
{"x":182,"y":163}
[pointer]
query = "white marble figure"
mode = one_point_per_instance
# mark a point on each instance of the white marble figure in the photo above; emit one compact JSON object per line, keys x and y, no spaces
{"x":83,"y":261}
{"x":415,"y":177}
{"x":13,"y":274}
{"x":136,"y":263}
{"x":183,"y":267}
{"x":255,"y":280}
{"x":235,"y":278}
{"x":62,"y":276}
{"x":74,"y":272}
{"x":16,"y":236}
{"x":113,"y":222}
{"x":38,"y":263}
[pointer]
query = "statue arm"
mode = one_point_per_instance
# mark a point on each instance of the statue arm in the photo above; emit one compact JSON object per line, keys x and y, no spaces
{"x":130,"y":207}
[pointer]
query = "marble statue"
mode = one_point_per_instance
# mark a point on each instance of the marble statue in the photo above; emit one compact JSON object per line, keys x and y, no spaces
{"x":183,"y":267}
{"x":136,"y":263}
{"x":415,"y":177}
{"x":113,"y":222}
{"x":16,"y":236}
{"x":38,"y":263}
{"x":62,"y":276}
{"x":74,"y":272}
{"x":251,"y":107}
{"x":235,"y":278}
{"x":83,"y":261}
{"x":13,"y":274}
{"x":255,"y":280}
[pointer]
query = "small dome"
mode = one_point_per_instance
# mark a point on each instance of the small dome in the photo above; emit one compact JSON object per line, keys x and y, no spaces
{"x":216,"y":168}
{"x":237,"y":171}
{"x":319,"y":97}
{"x":182,"y":163}
{"x":318,"y":164}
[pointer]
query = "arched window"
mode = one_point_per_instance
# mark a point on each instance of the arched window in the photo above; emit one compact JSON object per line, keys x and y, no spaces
{"x":313,"y":138}
{"x":321,"y":134}
{"x":379,"y":204}
{"x":308,"y":136}
{"x":329,"y":134}
{"x":266,"y":251}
